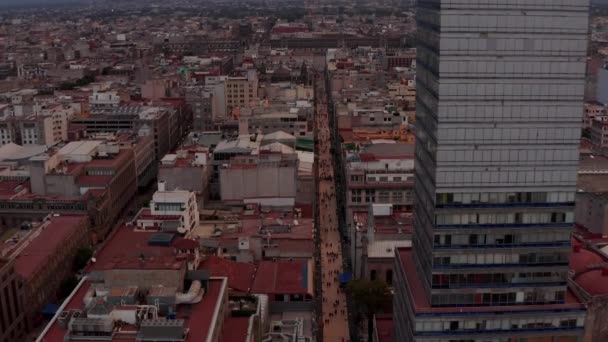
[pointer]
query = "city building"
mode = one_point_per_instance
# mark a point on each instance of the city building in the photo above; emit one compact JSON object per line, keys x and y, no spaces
{"x":496,"y":166}
{"x":602,"y":85}
{"x":173,"y":211}
{"x":143,"y":286}
{"x":161,"y":122}
{"x":203,"y":106}
{"x":599,"y":132}
{"x":241,"y":91}
{"x":34,"y":124}
{"x":377,"y":233}
{"x":87,"y":168}
{"x":591,"y":210}
{"x":258,"y":233}
{"x":592,"y":111}
{"x":587,"y":279}
{"x":269,"y":178}
{"x":101,"y":100}
{"x":43,"y":258}
{"x":189,"y":168}
{"x":242,"y":145}
{"x":142,"y":145}
{"x":13,"y":324}
{"x":380,"y":173}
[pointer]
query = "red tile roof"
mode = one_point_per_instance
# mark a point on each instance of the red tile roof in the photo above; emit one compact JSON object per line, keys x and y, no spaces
{"x":240,"y":274}
{"x":581,"y":257}
{"x":594,"y":282}
{"x":51,"y":238}
{"x":282,"y":277}
{"x":590,"y":272}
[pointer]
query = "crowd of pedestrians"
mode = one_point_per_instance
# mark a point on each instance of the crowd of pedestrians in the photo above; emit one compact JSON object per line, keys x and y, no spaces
{"x":335,"y":316}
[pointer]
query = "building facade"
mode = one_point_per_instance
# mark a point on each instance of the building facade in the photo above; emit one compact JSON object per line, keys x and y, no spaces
{"x":498,"y":117}
{"x":12,"y":311}
{"x":269,"y":178}
{"x":381,"y":173}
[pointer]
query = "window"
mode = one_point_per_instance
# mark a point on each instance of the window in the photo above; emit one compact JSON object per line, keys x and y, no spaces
{"x":356,"y":195}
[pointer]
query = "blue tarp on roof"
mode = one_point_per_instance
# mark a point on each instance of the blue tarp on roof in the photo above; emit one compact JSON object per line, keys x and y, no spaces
{"x":49,"y":310}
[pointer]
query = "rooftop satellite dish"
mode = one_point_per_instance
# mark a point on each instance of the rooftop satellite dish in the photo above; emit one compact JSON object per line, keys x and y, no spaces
{"x":93,"y":260}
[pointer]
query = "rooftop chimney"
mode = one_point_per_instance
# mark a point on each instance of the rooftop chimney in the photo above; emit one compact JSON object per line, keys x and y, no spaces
{"x":161,"y":186}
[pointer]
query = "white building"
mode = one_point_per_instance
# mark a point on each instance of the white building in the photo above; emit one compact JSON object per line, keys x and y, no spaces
{"x":104,"y":100}
{"x":175,"y":210}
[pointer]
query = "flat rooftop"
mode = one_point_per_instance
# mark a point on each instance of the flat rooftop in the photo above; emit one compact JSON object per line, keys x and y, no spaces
{"x":284,"y":277}
{"x":592,"y":182}
{"x":399,"y":222}
{"x":125,"y":247}
{"x":198,"y":317}
{"x":388,"y":151}
{"x":593,"y":164}
{"x":46,"y":240}
{"x":418,"y":298}
{"x":240,"y":274}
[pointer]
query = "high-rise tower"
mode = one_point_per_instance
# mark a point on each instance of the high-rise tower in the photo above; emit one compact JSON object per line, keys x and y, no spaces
{"x":499,"y":102}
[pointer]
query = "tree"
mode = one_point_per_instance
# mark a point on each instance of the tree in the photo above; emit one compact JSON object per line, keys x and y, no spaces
{"x":370,"y":296}
{"x":83,"y":255}
{"x":67,"y":286}
{"x":586,"y":133}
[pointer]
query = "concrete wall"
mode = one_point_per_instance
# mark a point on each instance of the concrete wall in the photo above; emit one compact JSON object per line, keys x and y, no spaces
{"x":602,"y":86}
{"x":184,"y":178}
{"x":591,"y":211}
{"x":305,"y":190}
{"x":62,"y":185}
{"x":237,"y":184}
{"x":145,"y":278}
{"x":596,"y":329}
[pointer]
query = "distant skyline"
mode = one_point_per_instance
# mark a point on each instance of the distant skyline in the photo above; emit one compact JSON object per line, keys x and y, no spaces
{"x":29,"y":3}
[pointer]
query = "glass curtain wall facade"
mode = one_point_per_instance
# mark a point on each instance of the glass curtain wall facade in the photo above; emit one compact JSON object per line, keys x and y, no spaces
{"x":499,"y":103}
